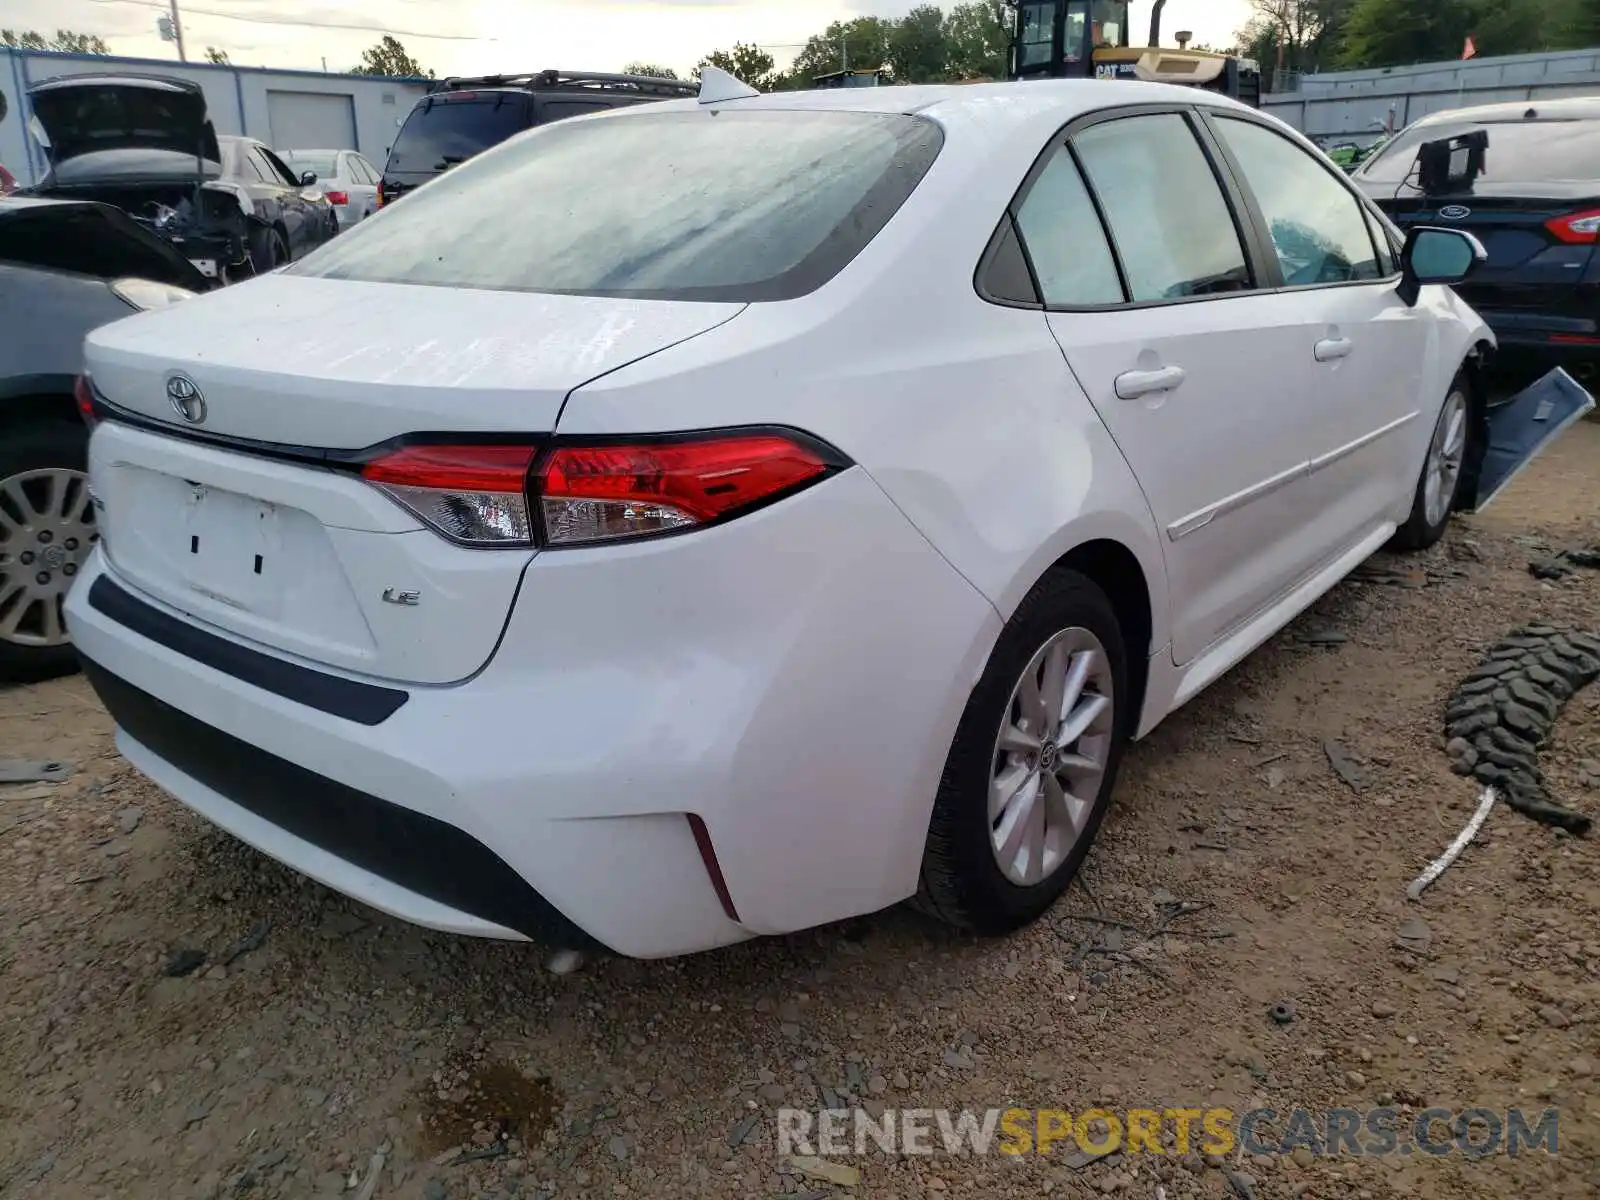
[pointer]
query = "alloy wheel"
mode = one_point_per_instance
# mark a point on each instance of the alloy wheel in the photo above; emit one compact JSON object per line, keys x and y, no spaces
{"x":1445,"y":455}
{"x":1051,"y":755}
{"x":47,"y":530}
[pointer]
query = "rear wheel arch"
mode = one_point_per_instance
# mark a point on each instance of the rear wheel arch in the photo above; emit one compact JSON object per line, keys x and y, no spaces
{"x":1117,"y":572}
{"x":29,"y":407}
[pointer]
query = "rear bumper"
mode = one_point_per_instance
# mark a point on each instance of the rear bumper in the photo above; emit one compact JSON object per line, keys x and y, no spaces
{"x":762,"y":677}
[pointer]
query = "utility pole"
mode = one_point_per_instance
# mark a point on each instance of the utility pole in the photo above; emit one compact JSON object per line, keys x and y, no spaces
{"x":844,"y":52}
{"x":177,"y":32}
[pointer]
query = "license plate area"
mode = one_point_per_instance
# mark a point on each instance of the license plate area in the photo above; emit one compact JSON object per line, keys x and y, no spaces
{"x":264,"y":569}
{"x":232,"y":548}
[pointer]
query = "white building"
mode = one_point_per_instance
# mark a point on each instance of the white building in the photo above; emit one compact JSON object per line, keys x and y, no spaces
{"x":288,"y":110}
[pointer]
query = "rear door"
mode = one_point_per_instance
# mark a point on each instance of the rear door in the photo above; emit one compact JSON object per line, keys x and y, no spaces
{"x":1364,"y":344}
{"x":1203,"y":379}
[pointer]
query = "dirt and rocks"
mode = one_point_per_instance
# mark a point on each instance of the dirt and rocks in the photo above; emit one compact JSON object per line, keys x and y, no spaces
{"x":180,"y":1017}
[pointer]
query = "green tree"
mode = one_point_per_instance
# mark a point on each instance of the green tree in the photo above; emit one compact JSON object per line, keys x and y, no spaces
{"x":218,"y":56}
{"x":977,"y":38}
{"x":1525,"y":26}
{"x":650,"y":69}
{"x":1393,"y":33}
{"x":65,"y":41}
{"x":1307,"y":32}
{"x":752,"y":64}
{"x":860,"y":45}
{"x":917,"y":49}
{"x":389,"y":57}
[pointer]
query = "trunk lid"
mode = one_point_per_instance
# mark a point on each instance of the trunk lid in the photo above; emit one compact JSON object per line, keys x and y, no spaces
{"x":1526,"y":259}
{"x":86,"y":114}
{"x":236,"y":522}
{"x":90,"y":239}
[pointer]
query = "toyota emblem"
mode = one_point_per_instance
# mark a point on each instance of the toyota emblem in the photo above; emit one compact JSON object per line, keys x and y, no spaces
{"x":186,"y":399}
{"x":1455,"y":212}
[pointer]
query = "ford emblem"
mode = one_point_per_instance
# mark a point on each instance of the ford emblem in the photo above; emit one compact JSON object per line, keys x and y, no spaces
{"x":186,"y":399}
{"x":1455,"y":212}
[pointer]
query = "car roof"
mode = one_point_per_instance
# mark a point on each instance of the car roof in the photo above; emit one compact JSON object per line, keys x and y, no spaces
{"x":1566,"y":108}
{"x":961,"y":103}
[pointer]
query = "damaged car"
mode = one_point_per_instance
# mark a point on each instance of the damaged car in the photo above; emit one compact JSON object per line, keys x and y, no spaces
{"x":145,"y":144}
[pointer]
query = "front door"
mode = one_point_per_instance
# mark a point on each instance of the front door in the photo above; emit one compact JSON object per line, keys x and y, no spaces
{"x":1198,"y":374}
{"x":1372,"y":407}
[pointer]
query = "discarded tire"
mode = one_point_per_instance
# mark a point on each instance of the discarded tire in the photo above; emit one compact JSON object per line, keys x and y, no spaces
{"x":1501,"y":716}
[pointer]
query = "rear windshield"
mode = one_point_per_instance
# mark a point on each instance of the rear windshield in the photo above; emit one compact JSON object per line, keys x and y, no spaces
{"x":703,"y":205}
{"x":1519,"y":151}
{"x":449,"y":129}
{"x":322,"y":164}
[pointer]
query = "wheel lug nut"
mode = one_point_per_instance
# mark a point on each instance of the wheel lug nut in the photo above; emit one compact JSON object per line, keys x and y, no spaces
{"x":46,"y":537}
{"x":71,"y":543}
{"x":70,"y":570}
{"x":42,"y":577}
{"x":26,"y":558}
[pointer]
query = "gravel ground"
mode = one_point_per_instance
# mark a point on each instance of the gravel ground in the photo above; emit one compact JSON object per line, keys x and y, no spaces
{"x":317,"y":1035}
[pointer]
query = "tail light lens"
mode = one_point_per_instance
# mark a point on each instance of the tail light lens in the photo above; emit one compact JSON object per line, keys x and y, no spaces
{"x":603,"y":492}
{"x":1577,"y":228}
{"x":473,"y":495}
{"x":84,"y":395}
{"x":511,"y":496}
{"x":382,"y":200}
{"x":338,"y":198}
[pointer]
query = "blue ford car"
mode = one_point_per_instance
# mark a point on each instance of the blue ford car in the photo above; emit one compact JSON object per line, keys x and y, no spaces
{"x":1525,"y":178}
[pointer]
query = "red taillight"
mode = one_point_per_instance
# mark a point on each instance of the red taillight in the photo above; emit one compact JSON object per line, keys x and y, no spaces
{"x":84,"y":395}
{"x":1579,"y":228}
{"x":486,"y":495}
{"x":602,"y":492}
{"x":381,"y":199}
{"x":339,"y":198}
{"x":475,"y":495}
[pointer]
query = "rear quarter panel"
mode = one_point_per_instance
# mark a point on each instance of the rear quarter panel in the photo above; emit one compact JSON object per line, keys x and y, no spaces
{"x":46,"y":315}
{"x":964,"y":412}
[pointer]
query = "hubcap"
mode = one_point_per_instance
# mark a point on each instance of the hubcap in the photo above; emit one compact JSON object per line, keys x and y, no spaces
{"x":46,"y":533}
{"x":1050,"y":756}
{"x":1445,"y":454}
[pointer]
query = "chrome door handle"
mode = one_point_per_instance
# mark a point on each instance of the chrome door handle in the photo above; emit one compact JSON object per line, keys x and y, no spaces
{"x":1133,"y":384}
{"x":1329,"y":349}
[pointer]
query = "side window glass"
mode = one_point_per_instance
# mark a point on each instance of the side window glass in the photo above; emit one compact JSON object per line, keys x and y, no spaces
{"x":1169,"y":218}
{"x":250,"y":168}
{"x":1319,"y":230}
{"x":1064,"y":238}
{"x":558,"y":110}
{"x":1380,"y":238}
{"x":278,"y":170}
{"x":263,"y":168}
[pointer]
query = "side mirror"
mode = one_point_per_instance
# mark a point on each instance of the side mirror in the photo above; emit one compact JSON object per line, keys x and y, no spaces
{"x":308,"y":179}
{"x":1433,"y":255}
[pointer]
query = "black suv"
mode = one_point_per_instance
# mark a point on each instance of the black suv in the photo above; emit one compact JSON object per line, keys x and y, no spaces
{"x":461,"y":117}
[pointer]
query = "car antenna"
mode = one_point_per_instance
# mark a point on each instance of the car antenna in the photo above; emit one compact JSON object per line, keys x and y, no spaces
{"x":716,"y":85}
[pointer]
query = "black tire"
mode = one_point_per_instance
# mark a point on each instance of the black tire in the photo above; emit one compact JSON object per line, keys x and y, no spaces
{"x":39,"y":444}
{"x":268,"y":250}
{"x":1418,"y":533}
{"x":962,"y":884}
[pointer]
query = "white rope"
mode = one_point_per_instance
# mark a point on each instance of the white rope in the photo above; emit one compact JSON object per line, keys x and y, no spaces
{"x":1437,"y":867}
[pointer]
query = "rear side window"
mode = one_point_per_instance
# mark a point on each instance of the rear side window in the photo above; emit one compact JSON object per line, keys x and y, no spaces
{"x":1318,"y":227}
{"x":325,"y":165}
{"x":1168,"y":216}
{"x":559,"y":110}
{"x":1518,"y":151}
{"x":1065,"y":240}
{"x":445,"y":130}
{"x":680,"y":205}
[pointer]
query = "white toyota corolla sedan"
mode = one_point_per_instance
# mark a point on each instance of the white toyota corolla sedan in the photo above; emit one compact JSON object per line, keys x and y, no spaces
{"x":721,"y":517}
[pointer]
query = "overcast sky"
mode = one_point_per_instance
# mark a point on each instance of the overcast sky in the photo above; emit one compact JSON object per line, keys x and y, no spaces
{"x":502,"y":35}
